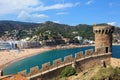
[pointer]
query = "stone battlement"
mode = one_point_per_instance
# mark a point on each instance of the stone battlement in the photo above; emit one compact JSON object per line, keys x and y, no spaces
{"x":103,"y":29}
{"x":68,"y":60}
{"x":81,"y":62}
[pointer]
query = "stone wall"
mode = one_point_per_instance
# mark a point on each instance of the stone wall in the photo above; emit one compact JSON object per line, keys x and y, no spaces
{"x":81,"y":62}
{"x":103,"y":36}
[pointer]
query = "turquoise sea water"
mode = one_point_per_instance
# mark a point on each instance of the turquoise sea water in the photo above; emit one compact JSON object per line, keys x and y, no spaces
{"x":48,"y":56}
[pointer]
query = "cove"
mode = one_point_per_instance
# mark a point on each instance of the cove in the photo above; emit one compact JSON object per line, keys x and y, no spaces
{"x":48,"y":56}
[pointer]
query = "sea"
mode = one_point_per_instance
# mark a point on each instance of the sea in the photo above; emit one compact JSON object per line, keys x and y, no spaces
{"x":49,"y":56}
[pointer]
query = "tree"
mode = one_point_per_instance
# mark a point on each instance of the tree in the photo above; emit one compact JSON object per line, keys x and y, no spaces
{"x":68,"y":71}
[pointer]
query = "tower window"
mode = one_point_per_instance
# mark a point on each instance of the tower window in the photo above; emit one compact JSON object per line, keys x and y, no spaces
{"x":106,"y":49}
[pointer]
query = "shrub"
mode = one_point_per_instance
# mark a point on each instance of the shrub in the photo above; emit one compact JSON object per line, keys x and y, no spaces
{"x":116,"y":75}
{"x":107,"y":74}
{"x":68,"y":71}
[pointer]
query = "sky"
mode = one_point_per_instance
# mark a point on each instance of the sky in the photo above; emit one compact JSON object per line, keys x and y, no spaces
{"x":71,"y":12}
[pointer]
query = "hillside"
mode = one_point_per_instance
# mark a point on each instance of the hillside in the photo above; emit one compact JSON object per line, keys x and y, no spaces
{"x":24,"y":29}
{"x":66,"y":30}
{"x":15,"y":25}
{"x":9,"y":25}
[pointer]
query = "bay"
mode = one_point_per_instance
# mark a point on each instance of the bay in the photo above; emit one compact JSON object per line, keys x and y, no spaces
{"x":49,"y":56}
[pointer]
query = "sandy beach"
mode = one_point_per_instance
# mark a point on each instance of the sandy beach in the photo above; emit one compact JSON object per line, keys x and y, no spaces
{"x":116,"y":44}
{"x":8,"y":57}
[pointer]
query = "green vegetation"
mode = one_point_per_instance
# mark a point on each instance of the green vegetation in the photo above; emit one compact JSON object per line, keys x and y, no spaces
{"x":16,"y":29}
{"x":97,"y":73}
{"x":22,"y":30}
{"x":116,"y":75}
{"x":109,"y":73}
{"x":67,"y":31}
{"x":68,"y":71}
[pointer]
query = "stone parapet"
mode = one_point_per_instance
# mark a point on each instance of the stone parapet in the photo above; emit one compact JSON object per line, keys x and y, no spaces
{"x":80,"y":62}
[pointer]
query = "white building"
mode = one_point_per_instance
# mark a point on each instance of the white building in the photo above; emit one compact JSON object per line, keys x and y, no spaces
{"x":79,"y":38}
{"x":5,"y":45}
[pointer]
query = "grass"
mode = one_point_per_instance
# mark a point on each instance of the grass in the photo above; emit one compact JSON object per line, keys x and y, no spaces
{"x":96,"y":73}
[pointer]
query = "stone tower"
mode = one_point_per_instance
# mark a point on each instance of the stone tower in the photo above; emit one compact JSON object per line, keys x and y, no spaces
{"x":103,"y":37}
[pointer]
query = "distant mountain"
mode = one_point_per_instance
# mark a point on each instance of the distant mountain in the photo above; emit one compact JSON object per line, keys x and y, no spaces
{"x":15,"y":25}
{"x":84,"y":30}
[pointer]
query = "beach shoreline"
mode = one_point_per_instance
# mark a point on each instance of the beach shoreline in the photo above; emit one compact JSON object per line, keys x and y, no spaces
{"x":9,"y":57}
{"x":116,"y":44}
{"x":16,"y":56}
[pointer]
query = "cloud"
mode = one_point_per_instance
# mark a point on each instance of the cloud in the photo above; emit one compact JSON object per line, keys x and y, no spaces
{"x":112,"y":23}
{"x":56,"y":21}
{"x":23,"y":15}
{"x":16,"y":6}
{"x":39,"y":16}
{"x":30,"y":10}
{"x":56,"y":6}
{"x":31,"y":17}
{"x":61,"y":13}
{"x":89,"y":2}
{"x":77,"y":3}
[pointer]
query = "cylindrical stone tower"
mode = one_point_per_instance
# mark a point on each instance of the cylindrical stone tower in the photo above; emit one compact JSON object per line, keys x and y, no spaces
{"x":103,"y":37}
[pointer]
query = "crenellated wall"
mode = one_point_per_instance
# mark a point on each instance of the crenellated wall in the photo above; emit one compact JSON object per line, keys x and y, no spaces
{"x":81,"y":62}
